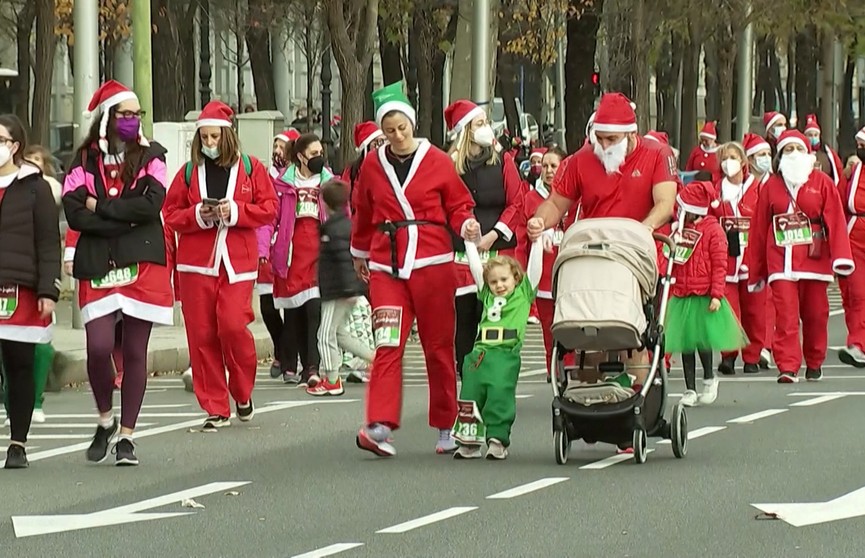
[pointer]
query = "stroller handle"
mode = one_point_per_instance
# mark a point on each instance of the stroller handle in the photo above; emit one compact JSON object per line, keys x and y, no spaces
{"x":665,"y":239}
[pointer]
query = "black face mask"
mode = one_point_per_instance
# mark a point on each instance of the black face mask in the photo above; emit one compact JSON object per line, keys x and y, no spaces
{"x":860,"y":152}
{"x":315,"y":165}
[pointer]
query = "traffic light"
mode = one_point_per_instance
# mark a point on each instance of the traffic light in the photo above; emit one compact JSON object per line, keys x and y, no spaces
{"x":596,"y":83}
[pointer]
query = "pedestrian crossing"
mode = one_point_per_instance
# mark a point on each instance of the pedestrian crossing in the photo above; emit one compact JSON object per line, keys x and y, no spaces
{"x":834,"y":298}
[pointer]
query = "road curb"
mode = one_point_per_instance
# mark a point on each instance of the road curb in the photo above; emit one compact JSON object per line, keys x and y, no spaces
{"x":70,"y":367}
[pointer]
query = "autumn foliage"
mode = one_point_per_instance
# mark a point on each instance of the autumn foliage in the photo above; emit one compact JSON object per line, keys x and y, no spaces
{"x":114,"y":20}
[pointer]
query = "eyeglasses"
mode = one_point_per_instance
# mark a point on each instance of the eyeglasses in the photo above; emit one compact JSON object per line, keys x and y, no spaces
{"x":130,"y":114}
{"x":6,"y":140}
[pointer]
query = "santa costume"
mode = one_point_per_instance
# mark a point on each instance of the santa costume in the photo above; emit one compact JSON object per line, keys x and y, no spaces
{"x":705,"y":158}
{"x":799,"y":240}
{"x":406,"y":208}
{"x":853,"y":286}
{"x":217,"y":262}
{"x":365,"y":133}
{"x":774,"y":124}
{"x":497,"y":190}
{"x":827,"y":159}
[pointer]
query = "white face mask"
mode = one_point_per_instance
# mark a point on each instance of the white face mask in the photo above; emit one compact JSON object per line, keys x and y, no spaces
{"x":5,"y":154}
{"x":614,"y":156}
{"x":484,"y":136}
{"x":731,"y":167}
{"x":763,"y":163}
{"x":796,"y":167}
{"x":778,"y":130}
{"x":210,"y":152}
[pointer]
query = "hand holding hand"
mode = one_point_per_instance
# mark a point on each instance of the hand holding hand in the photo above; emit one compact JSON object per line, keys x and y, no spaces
{"x":90,"y":203}
{"x":46,"y":307}
{"x":472,"y":230}
{"x":534,"y":228}
{"x":67,"y":268}
{"x":714,"y":305}
{"x":487,"y":241}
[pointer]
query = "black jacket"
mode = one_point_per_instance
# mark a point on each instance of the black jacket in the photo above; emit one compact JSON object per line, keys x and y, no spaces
{"x":121,"y":231}
{"x":486,"y":183}
{"x":336,"y":275}
{"x":30,"y":235}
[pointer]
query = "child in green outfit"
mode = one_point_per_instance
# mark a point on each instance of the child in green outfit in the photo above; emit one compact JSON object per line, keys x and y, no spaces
{"x":487,"y":402}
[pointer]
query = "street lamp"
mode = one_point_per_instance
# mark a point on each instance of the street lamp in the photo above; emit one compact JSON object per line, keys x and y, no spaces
{"x":204,"y":72}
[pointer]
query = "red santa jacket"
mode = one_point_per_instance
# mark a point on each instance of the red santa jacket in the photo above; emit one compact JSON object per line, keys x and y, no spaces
{"x":836,"y":167}
{"x":736,"y":209}
{"x":704,"y":272}
{"x":853,"y":199}
{"x":201,"y":246}
{"x":433,"y":192}
{"x":820,"y":201}
{"x":701,"y":160}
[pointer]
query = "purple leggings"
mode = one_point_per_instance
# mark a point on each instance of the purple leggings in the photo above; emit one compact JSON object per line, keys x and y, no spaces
{"x":100,"y":343}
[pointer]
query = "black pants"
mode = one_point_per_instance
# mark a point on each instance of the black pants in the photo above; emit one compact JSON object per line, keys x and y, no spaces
{"x":300,"y":336}
{"x":272,"y":319}
{"x":468,"y":311}
{"x":18,"y":365}
{"x":689,"y":363}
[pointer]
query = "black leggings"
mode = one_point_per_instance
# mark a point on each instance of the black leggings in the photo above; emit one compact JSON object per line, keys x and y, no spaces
{"x":469,"y":311}
{"x":20,"y":386}
{"x":272,"y":319}
{"x":689,"y":363}
{"x":300,"y":336}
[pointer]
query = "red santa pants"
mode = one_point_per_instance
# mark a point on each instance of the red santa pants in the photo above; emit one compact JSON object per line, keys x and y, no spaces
{"x":853,"y":300}
{"x":546,"y":311}
{"x":794,"y":300}
{"x":750,"y":308}
{"x":217,"y":316}
{"x":429,"y":296}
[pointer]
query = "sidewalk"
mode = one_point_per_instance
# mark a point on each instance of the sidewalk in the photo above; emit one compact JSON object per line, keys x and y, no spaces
{"x":167,"y":351}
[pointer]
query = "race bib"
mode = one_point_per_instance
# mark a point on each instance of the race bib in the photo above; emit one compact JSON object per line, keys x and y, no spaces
{"x":792,"y":229}
{"x":387,"y":326}
{"x":462,"y":259}
{"x":686,"y":243}
{"x":469,"y":427}
{"x":8,"y":301}
{"x":119,"y":277}
{"x":741,"y":225}
{"x":307,"y":203}
{"x":558,"y":236}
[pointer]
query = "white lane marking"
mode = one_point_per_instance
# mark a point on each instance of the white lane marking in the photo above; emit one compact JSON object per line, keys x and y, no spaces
{"x":328,"y":550}
{"x":837,"y":312}
{"x":29,"y":448}
{"x":93,"y":416}
{"x":819,"y":393}
{"x":612,"y":460}
{"x":172,"y":406}
{"x":757,"y":416}
{"x":699,"y":433}
{"x":59,"y":436}
{"x":87,"y":425}
{"x":428,"y":519}
{"x":527,"y":488}
{"x":816,"y":400}
{"x":524,"y":396}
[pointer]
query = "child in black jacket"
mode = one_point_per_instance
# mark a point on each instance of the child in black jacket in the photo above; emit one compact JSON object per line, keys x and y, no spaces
{"x":339,"y":289}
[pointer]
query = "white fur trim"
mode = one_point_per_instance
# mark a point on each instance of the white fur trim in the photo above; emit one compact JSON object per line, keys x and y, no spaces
{"x":810,"y":127}
{"x":117,"y":99}
{"x":282,"y":137}
{"x":715,"y":203}
{"x":398,"y":106}
{"x":693,"y":209}
{"x":471,"y":115}
{"x":843,"y":266}
{"x":233,"y":214}
{"x":218,"y":122}
{"x":201,"y":222}
{"x":758,"y":148}
{"x":68,"y":254}
{"x":653,"y":138}
{"x":791,"y":139}
{"x":360,"y":254}
{"x":708,"y":135}
{"x":860,"y":135}
{"x":372,"y":137}
{"x":774,"y":120}
{"x":506,"y":231}
{"x":601,"y":127}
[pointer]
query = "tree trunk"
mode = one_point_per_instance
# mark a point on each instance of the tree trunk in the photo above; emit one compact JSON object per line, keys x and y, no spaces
{"x":582,"y":41}
{"x":423,"y":58}
{"x":690,"y":77}
{"x":618,"y":75}
{"x":412,"y":64}
{"x":461,"y":66}
{"x":437,"y":132}
{"x":847,"y":126}
{"x":827,"y":89}
{"x":23,"y":32}
{"x":506,"y":88}
{"x":712,"y":101}
{"x":169,"y":79}
{"x":258,"y":45}
{"x":791,"y":77}
{"x":368,"y":106}
{"x":727,"y":48}
{"x":806,"y":77}
{"x":641,"y":44}
{"x":391,"y":61}
{"x":667,"y":82}
{"x":44,"y":68}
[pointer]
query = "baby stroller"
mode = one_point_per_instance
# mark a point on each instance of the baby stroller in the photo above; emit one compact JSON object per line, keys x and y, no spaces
{"x":605,"y":287}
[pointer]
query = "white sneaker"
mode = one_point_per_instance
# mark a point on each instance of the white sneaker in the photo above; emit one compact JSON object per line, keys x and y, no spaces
{"x":446,"y":443}
{"x":496,"y":450}
{"x":38,"y":416}
{"x":187,"y":379}
{"x":533,"y":320}
{"x":689,"y":398}
{"x":468,"y":452}
{"x":710,"y":392}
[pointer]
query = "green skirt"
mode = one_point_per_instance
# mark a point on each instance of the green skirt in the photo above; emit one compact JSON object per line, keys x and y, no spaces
{"x":690,"y":326}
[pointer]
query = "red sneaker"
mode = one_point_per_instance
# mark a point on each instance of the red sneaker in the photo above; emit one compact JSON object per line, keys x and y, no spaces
{"x":324,"y":388}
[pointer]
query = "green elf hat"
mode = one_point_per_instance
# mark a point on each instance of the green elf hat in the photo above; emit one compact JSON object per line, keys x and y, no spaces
{"x":391,"y":98}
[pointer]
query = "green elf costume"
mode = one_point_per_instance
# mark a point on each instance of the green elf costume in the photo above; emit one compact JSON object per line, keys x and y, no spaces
{"x":487,"y":401}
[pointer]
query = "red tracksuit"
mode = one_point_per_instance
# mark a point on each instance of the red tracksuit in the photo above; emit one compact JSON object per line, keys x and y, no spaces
{"x":853,"y":286}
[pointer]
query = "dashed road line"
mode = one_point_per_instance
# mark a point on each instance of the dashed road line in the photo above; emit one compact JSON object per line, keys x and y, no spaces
{"x":427,"y":520}
{"x":328,"y":550}
{"x":610,"y":461}
{"x":757,"y":416}
{"x":817,"y":400}
{"x":527,"y":488}
{"x":699,"y":433}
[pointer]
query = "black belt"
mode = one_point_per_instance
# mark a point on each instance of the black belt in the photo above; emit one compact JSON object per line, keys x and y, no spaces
{"x":389,"y":228}
{"x":497,"y":334}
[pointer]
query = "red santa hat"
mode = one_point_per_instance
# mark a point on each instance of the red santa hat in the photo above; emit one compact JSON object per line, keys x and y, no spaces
{"x":109,"y":95}
{"x":793,"y":136}
{"x":364,"y":134}
{"x":615,"y":114}
{"x":289,"y":135}
{"x":811,"y":123}
{"x":860,"y":135}
{"x":753,"y":144}
{"x":696,"y":198}
{"x":771,"y":118}
{"x":459,"y":114}
{"x":660,"y":137}
{"x":538,"y":152}
{"x":709,"y":131}
{"x":215,"y":113}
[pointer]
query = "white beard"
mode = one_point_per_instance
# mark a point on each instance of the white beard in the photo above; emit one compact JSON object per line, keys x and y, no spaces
{"x":796,"y":167}
{"x":614,"y":156}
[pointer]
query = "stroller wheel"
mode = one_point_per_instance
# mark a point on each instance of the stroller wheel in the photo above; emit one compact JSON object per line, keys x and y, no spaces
{"x":640,"y":442}
{"x":679,"y":431}
{"x":562,"y":446}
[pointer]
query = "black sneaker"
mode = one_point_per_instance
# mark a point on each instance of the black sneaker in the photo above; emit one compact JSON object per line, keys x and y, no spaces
{"x":98,"y":450}
{"x":813,"y":374}
{"x":124,"y":450}
{"x":214,"y":423}
{"x":275,"y":370}
{"x":16,"y":457}
{"x":245,"y":414}
{"x":751,"y":369}
{"x":727,"y":367}
{"x":309,"y":377}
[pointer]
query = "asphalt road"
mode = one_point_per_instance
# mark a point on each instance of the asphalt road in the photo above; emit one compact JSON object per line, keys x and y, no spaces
{"x":297,"y":486}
